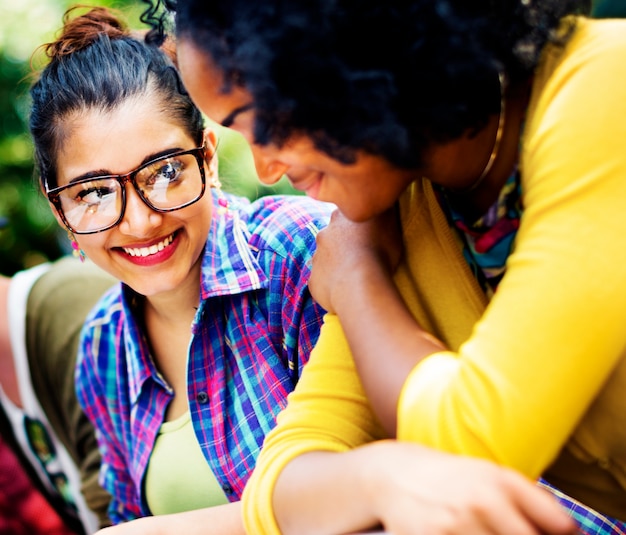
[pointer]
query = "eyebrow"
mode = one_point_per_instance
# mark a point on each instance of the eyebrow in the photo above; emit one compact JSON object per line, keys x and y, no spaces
{"x":230,"y":118}
{"x":105,"y":172}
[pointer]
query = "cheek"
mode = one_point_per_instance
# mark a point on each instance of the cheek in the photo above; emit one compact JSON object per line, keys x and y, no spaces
{"x":92,"y":244}
{"x":197,"y":217}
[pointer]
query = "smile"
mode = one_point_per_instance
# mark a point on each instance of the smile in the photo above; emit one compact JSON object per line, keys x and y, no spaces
{"x":309,"y":185}
{"x":147,"y":251}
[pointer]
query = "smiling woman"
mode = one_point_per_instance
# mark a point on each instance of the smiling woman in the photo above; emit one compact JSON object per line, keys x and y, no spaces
{"x":199,"y":345}
{"x":470,"y":317}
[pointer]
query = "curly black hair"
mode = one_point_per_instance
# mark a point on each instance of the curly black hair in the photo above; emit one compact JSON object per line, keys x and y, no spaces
{"x":390,"y":77}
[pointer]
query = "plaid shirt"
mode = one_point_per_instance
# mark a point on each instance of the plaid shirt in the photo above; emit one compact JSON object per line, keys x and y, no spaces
{"x":588,"y":520}
{"x":252,"y":333}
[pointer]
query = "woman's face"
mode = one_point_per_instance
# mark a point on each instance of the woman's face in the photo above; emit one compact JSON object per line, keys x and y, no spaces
{"x":154,"y":253}
{"x":361,"y":190}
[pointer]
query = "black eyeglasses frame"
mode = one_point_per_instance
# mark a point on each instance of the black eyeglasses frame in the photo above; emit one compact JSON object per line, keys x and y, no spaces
{"x":54,"y":193}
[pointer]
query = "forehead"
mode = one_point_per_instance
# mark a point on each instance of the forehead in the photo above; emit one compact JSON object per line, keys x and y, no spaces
{"x":205,"y":83}
{"x":116,"y":140}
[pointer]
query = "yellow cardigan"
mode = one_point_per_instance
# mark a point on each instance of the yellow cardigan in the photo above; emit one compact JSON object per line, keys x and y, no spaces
{"x":538,"y":375}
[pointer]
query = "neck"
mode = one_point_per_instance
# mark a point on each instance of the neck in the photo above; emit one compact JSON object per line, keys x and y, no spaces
{"x":167,"y":324}
{"x":473,"y":203}
{"x":176,"y":306}
{"x":497,"y":139}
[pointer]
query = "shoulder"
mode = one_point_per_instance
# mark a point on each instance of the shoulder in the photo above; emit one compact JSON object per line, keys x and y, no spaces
{"x":69,"y":288}
{"x":106,"y":315}
{"x":58,"y":303}
{"x":577,"y":108}
{"x":595,"y":48}
{"x":101,"y":344}
{"x":605,"y":34}
{"x":283,"y":222}
{"x":286,"y":211}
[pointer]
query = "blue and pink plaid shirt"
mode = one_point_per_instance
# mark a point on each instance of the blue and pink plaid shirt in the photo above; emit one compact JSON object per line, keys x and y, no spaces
{"x":252,"y":333}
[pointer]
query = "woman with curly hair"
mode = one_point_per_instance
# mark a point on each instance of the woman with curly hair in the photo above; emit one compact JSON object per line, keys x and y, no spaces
{"x":475,"y":153}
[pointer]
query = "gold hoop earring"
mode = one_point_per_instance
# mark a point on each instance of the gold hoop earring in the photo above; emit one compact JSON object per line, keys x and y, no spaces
{"x":496,"y":143}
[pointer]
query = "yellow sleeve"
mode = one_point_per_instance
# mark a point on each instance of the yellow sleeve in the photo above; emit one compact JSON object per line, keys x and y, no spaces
{"x":327,"y":411}
{"x":556,"y":328}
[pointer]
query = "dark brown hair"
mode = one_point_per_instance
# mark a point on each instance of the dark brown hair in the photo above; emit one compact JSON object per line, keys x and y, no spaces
{"x":98,"y":63}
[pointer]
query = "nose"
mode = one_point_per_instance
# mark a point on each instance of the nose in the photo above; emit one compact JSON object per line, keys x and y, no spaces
{"x":269,"y":168}
{"x":139,"y":219}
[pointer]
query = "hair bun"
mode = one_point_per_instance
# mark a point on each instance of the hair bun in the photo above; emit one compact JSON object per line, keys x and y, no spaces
{"x":81,"y":31}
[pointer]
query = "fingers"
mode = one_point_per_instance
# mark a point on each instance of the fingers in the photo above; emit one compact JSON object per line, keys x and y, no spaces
{"x":540,"y":508}
{"x":425,"y":492}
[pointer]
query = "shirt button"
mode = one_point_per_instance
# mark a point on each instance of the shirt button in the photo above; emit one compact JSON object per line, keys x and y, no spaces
{"x":228,"y":490}
{"x":202,"y":398}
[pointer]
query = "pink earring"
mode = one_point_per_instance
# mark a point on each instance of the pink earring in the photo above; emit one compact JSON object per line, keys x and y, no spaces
{"x":221,"y":198}
{"x":215,"y":183}
{"x":76,"y":250}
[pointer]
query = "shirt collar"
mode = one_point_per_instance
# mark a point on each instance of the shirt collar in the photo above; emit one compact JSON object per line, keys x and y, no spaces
{"x":140,"y":364}
{"x":229,"y":265}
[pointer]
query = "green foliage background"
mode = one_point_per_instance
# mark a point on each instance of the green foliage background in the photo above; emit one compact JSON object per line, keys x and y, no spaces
{"x":29,"y":233}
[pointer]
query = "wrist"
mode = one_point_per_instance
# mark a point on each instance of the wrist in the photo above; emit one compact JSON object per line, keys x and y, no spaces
{"x":358,"y":285}
{"x":373,"y":475}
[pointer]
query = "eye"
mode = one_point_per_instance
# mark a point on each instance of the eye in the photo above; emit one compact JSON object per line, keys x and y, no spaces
{"x":93,"y":195}
{"x":165,"y":173}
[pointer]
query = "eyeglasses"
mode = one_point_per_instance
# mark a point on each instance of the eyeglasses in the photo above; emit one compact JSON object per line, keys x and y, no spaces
{"x":165,"y":184}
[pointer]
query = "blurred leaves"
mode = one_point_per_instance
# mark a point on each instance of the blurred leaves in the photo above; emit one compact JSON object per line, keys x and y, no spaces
{"x":31,"y":234}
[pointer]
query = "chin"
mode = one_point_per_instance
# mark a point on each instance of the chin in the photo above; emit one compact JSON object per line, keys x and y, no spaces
{"x":358,"y":215}
{"x":151,"y":288}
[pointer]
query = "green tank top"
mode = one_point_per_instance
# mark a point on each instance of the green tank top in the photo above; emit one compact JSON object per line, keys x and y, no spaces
{"x":178,"y":477}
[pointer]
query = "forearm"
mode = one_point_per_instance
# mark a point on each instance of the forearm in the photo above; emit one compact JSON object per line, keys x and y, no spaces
{"x":325,"y":492}
{"x":219,"y":520}
{"x":410,"y":489}
{"x":381,"y":333}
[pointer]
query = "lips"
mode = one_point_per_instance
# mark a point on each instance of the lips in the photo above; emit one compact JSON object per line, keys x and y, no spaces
{"x":151,"y":249}
{"x":309,"y":184}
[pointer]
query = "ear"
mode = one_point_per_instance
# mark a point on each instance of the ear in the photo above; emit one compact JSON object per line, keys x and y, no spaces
{"x":210,"y":152}
{"x":55,"y":213}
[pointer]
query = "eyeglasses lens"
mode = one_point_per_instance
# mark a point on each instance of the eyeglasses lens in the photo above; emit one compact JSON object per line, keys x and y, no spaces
{"x":165,"y":184}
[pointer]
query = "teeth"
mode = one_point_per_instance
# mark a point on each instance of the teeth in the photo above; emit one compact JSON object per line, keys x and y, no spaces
{"x":153,"y":249}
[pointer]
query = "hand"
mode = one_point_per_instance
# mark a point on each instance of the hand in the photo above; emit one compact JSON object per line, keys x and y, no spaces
{"x":419,"y":491}
{"x":345,"y":248}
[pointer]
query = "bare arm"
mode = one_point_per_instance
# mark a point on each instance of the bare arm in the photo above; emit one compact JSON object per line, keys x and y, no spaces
{"x":409,"y":490}
{"x":357,"y":285}
{"x":219,"y":520}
